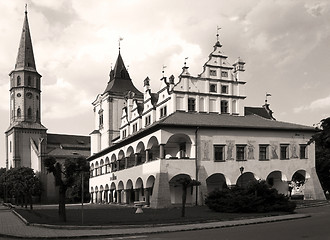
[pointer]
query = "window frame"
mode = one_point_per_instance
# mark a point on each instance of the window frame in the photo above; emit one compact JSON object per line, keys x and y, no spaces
{"x":224,"y":89}
{"x":224,"y":108}
{"x":239,"y":152}
{"x":213,"y":88}
{"x":191,"y":105}
{"x":305,"y":152}
{"x":224,"y":74}
{"x":213,"y":72}
{"x":286,"y":147}
{"x":220,"y":153}
{"x":264,"y":155}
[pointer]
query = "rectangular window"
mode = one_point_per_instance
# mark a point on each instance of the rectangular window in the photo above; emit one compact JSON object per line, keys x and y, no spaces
{"x":263,"y":152}
{"x":224,"y":89}
{"x":163,"y":112}
{"x":124,"y":133}
{"x":284,"y":151}
{"x":191,"y":104}
{"x":101,"y":120}
{"x":303,"y":151}
{"x":224,"y":74}
{"x":148,"y":120}
{"x":213,"y":88}
{"x":219,"y":153}
{"x":213,"y":72}
{"x":134,"y":127}
{"x":224,"y":106}
{"x":240,"y":152}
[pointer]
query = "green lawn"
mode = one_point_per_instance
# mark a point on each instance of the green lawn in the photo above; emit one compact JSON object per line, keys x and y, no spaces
{"x":95,"y":215}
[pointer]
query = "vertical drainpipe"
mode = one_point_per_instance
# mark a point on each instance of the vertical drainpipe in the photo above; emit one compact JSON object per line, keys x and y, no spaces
{"x":196,"y":162}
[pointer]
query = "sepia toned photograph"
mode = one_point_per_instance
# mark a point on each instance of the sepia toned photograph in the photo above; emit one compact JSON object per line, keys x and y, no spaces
{"x":139,"y":119}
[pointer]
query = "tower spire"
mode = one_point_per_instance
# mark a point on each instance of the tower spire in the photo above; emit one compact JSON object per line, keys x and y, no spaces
{"x":25,"y":56}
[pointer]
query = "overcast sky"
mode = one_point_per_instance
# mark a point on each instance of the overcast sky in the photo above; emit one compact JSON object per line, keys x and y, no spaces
{"x":285,"y":44}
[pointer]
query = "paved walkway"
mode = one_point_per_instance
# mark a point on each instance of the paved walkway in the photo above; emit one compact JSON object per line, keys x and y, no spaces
{"x":12,"y":226}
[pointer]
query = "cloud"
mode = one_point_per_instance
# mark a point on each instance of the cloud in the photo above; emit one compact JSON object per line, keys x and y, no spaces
{"x":316,"y":9}
{"x":322,"y":103}
{"x":64,"y":100}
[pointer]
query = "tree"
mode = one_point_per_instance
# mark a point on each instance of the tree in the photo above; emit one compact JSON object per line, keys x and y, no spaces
{"x":21,"y":183}
{"x":186,"y":183}
{"x":322,"y":152}
{"x":65,"y":175}
{"x":2,"y":183}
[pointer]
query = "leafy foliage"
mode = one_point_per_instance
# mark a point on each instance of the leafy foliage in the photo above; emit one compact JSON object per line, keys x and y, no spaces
{"x":66,"y":174}
{"x":257,"y":197}
{"x":322,"y":152}
{"x":21,"y":183}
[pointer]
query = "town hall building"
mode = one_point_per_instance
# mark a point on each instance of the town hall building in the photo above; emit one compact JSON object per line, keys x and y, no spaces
{"x":195,"y":128}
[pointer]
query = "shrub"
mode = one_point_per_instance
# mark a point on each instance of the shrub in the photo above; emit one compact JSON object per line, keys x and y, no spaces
{"x":257,"y":197}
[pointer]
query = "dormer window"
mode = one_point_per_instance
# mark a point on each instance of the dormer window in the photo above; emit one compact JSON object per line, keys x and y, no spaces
{"x":213,"y":72}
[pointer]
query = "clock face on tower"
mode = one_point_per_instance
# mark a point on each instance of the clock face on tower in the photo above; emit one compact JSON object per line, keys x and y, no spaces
{"x":29,"y":95}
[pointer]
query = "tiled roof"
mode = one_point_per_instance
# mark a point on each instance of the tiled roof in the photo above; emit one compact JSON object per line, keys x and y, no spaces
{"x":68,"y":139}
{"x":68,"y":146}
{"x":262,"y":112}
{"x":229,"y":121}
{"x":212,"y":120}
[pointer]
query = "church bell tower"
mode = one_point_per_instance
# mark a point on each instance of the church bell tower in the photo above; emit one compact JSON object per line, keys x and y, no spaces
{"x":25,"y":131}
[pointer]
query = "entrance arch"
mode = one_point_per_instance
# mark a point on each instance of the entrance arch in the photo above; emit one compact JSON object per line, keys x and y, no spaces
{"x":298,"y":181}
{"x":277,"y":180}
{"x":176,"y":189}
{"x":245,"y":179}
{"x":216,"y":181}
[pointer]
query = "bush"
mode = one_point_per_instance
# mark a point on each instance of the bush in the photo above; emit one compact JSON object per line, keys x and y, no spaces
{"x":257,"y":197}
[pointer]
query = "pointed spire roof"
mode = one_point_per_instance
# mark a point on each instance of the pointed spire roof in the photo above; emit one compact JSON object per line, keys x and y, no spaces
{"x":120,"y":81}
{"x":25,"y":56}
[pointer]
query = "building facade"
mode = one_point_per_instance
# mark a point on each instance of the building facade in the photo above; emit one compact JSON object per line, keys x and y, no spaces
{"x":27,"y":140}
{"x":196,"y":127}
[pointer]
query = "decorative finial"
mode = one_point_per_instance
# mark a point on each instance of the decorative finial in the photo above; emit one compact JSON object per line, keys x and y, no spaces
{"x":218,"y":28}
{"x":25,"y":8}
{"x":267,"y":95}
{"x":185,"y":61}
{"x":111,"y":66}
{"x":120,"y":39}
{"x":163,"y":71}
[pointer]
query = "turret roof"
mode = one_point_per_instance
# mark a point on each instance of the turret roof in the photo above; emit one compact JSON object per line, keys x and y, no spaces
{"x":120,"y":81}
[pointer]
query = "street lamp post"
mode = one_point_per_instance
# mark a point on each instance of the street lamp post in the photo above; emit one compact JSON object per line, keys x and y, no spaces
{"x":82,"y":198}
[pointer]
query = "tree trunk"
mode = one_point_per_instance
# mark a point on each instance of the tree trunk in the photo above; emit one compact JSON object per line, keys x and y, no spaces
{"x":61,"y":203}
{"x":184,"y":197}
{"x":31,"y":201}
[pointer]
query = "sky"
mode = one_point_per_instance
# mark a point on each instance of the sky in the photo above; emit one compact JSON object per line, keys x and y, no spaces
{"x":285,"y":44}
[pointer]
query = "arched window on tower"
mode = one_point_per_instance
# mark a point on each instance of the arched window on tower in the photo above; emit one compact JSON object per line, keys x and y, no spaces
{"x":29,"y":81}
{"x":18,"y":81}
{"x":29,"y":113}
{"x":37,"y":115}
{"x":19,"y":114}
